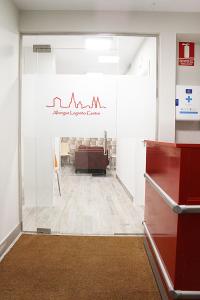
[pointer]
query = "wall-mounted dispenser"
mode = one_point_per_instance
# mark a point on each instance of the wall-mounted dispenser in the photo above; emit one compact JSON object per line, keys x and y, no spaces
{"x":187,"y":103}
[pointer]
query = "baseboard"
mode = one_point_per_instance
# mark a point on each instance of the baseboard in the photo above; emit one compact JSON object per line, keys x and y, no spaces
{"x":125,"y":188}
{"x":154,"y":268}
{"x":9,"y":241}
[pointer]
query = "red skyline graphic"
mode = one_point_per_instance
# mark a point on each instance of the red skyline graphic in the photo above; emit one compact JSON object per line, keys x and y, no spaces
{"x":95,"y":103}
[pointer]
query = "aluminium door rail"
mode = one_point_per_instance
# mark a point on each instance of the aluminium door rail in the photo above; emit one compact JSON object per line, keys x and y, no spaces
{"x":175,"y":294}
{"x":178,"y":209}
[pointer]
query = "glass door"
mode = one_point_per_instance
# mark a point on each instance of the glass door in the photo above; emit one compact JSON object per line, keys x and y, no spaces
{"x":37,"y":140}
{"x":88,"y":102}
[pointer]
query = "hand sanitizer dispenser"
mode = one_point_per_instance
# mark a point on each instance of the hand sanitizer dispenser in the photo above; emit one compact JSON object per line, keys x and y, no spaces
{"x":187,"y":103}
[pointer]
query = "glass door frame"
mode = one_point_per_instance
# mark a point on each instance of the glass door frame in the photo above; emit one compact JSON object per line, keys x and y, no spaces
{"x":95,"y":34}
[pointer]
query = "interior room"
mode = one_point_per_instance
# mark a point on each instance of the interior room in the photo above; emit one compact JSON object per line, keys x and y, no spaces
{"x":100,"y":149}
{"x":83,"y":161}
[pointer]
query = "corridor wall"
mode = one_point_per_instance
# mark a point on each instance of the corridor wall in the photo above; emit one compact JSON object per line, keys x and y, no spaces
{"x":136,"y":118}
{"x":9,"y":106}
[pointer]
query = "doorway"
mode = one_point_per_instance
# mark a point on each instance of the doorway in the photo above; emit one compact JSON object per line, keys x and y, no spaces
{"x":88,"y":104}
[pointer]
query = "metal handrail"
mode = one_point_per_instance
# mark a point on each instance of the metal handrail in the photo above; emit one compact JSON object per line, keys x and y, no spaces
{"x":175,"y":294}
{"x":179,"y":209}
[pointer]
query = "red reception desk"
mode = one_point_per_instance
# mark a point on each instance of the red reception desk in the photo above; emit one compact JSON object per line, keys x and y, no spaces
{"x":172,"y":217}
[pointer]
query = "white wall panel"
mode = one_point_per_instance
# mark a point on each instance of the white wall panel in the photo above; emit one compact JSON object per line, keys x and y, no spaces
{"x":9,"y":105}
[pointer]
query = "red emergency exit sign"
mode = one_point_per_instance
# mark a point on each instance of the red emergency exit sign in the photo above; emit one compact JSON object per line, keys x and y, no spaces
{"x":186,"y":54}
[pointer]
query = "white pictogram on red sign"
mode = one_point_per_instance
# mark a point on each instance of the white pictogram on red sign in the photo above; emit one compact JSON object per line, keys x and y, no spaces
{"x":186,"y":54}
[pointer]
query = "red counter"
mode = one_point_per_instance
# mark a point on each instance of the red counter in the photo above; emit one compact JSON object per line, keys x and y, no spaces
{"x":172,"y":217}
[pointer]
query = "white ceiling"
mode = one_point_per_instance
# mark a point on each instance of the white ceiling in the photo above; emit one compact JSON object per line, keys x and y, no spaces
{"x":72,"y":57}
{"x":111,"y":5}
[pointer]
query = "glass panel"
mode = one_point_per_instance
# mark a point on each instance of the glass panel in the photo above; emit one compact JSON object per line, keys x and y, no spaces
{"x":37,"y":150}
{"x":87,"y":106}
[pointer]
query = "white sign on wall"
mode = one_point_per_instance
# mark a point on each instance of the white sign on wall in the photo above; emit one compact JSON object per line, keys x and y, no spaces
{"x":187,"y":103}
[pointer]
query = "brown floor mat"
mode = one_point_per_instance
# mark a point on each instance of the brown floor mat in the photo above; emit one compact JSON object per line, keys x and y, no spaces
{"x":42,"y":267}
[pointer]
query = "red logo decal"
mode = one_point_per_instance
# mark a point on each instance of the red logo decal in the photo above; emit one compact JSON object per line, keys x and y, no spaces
{"x":76,"y":105}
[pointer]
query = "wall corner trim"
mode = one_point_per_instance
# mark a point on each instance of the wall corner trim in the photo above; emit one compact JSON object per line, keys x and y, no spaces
{"x":125,"y":188}
{"x":9,"y":241}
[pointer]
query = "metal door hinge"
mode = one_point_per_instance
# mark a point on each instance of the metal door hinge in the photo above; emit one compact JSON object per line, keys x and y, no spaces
{"x":44,"y":230}
{"x":42,"y":48}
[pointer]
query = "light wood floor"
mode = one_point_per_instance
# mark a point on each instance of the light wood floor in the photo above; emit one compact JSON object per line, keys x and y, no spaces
{"x":88,"y":205}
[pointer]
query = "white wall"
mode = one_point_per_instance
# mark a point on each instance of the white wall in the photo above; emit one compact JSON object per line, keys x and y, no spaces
{"x":9,"y":105}
{"x":189,"y":75}
{"x":188,"y":132}
{"x":136,"y":118}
